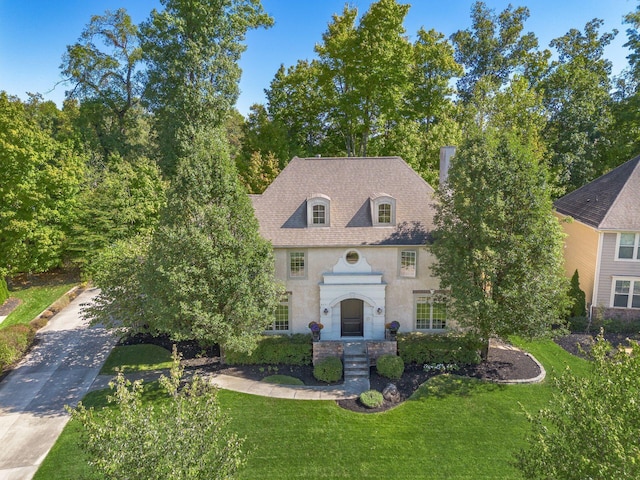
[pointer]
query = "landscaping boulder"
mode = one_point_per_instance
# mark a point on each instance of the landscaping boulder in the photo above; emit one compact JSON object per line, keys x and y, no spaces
{"x":391,"y":393}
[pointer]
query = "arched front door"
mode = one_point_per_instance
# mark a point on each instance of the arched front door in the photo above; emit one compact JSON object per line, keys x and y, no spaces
{"x":351,"y":318}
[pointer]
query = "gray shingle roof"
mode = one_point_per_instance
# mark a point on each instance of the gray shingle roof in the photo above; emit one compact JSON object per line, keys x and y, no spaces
{"x":610,"y":202}
{"x":349,"y":183}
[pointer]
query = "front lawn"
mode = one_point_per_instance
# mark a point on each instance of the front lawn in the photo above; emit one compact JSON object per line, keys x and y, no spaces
{"x":137,"y":358}
{"x":453,"y":427}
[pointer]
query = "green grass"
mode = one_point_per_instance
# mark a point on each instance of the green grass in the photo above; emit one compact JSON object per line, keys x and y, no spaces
{"x":453,"y":428}
{"x":137,"y":358}
{"x":283,"y":380}
{"x":34,"y":301}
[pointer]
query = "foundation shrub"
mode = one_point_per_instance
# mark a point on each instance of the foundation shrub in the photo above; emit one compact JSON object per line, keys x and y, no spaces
{"x":449,"y":348}
{"x":390,"y":366}
{"x":578,"y":324}
{"x":275,"y":350}
{"x":328,"y":370}
{"x":14,"y":342}
{"x":371,"y":398}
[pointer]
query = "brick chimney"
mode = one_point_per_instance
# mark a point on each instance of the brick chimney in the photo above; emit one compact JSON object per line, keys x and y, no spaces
{"x":446,"y":154}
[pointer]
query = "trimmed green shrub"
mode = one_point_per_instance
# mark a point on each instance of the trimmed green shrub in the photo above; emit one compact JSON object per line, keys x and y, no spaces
{"x":275,"y":350}
{"x":578,"y":297}
{"x":421,"y":348}
{"x":328,"y":370}
{"x":4,"y":290}
{"x":371,"y":398}
{"x":14,"y":342}
{"x":390,"y":366}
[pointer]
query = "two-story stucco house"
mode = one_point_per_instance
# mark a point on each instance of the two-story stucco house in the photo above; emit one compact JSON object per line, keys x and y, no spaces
{"x":603,"y":240}
{"x":350,"y":237}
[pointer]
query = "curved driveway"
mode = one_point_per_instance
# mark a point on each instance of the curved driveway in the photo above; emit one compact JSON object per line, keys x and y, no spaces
{"x":58,"y":371}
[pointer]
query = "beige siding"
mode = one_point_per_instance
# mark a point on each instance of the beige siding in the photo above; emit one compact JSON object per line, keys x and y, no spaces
{"x":304,"y":301}
{"x":580,"y":253}
{"x":610,"y":267}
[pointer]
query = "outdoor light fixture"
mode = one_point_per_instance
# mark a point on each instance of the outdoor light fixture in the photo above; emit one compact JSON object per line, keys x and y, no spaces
{"x":326,"y":311}
{"x":379,"y":310}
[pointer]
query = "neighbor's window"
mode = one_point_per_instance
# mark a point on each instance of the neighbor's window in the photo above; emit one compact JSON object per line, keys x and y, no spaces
{"x":626,"y":293}
{"x":628,"y":246}
{"x":297,"y":265}
{"x":408,"y":263}
{"x":430,"y":314}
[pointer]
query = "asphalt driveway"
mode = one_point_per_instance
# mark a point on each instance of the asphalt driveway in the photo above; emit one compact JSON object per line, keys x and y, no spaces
{"x":58,"y":371}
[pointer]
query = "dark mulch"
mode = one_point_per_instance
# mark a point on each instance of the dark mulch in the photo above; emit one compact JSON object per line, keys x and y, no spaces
{"x":501,"y":364}
{"x":579,"y":344}
{"x":9,"y":305}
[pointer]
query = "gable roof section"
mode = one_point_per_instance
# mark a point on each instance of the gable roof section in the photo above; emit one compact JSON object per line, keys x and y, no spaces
{"x":610,"y":202}
{"x":350,"y":183}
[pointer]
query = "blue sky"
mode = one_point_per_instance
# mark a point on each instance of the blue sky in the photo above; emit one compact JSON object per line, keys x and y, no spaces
{"x":34,"y":34}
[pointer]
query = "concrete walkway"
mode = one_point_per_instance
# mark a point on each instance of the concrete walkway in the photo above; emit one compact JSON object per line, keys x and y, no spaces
{"x":348,"y":389}
{"x":58,"y":371}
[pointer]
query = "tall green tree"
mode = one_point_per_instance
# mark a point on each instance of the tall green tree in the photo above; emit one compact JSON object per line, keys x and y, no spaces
{"x":209,"y":275}
{"x":191,"y":50}
{"x":626,"y":107}
{"x":577,"y":95}
{"x":297,"y":111}
{"x":498,"y":245}
{"x":495,"y":48}
{"x":364,"y":71}
{"x":39,"y":182}
{"x":118,"y":202}
{"x":104,"y":70}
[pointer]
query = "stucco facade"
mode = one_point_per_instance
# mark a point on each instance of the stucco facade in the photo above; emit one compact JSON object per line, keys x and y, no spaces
{"x":375,"y":279}
{"x":351,"y":239}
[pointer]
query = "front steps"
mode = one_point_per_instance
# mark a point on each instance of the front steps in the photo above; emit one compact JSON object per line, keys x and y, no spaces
{"x":356,"y":366}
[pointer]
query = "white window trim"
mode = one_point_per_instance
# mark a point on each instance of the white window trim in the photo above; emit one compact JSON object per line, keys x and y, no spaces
{"x":306,"y":265}
{"x":400,"y":252}
{"x":613,"y":291}
{"x":375,"y":201}
{"x":636,"y":247}
{"x":318,"y":199}
{"x":415,"y":314}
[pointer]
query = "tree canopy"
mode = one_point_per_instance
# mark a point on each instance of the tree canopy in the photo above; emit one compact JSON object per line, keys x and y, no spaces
{"x":498,"y":245}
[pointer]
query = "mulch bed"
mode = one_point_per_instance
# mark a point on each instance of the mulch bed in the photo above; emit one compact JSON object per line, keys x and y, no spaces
{"x":501,"y":364}
{"x":579,"y":344}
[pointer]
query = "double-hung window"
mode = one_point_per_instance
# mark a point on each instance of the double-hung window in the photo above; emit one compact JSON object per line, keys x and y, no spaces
{"x":281,"y":318}
{"x":431,"y":314}
{"x":628,"y":247}
{"x":297,"y":265}
{"x":408,"y":260}
{"x":626,"y":293}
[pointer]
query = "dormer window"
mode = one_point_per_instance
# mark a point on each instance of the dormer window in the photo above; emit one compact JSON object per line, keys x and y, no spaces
{"x":383,"y":209}
{"x":384,"y":213}
{"x":318,"y":210}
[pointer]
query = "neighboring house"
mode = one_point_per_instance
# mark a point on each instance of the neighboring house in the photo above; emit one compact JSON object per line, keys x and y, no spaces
{"x":603,"y":240}
{"x":350,"y":237}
